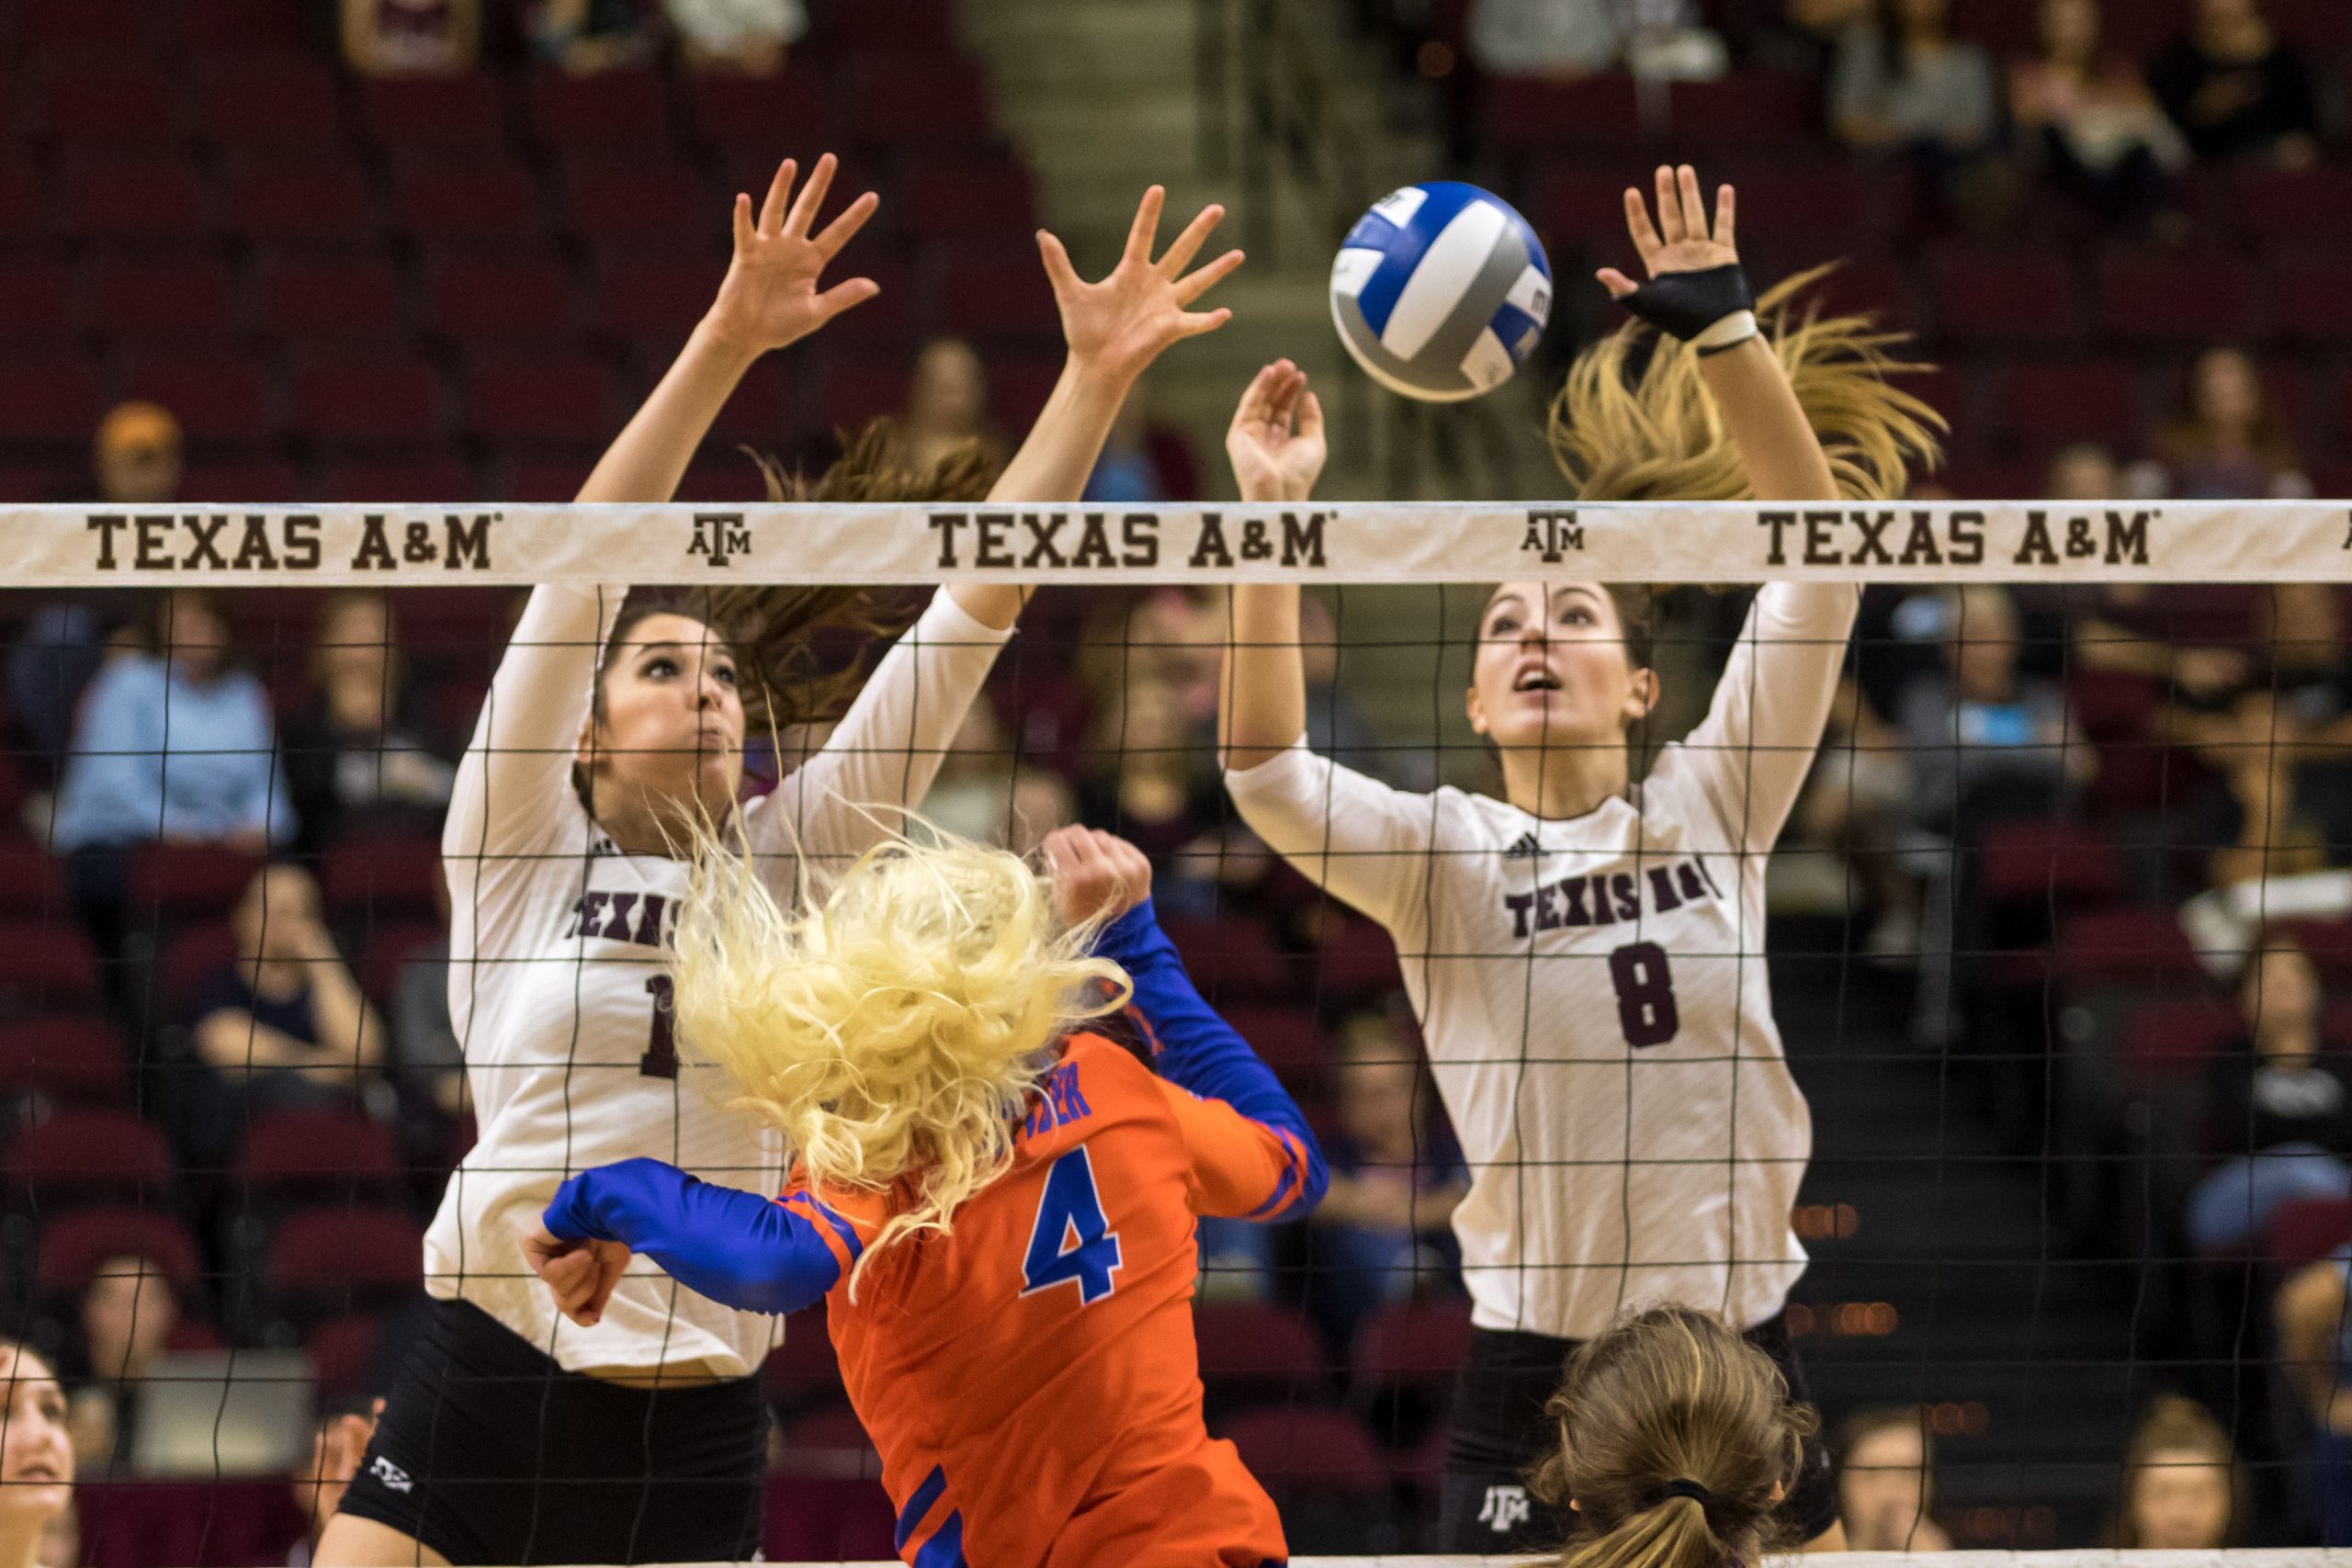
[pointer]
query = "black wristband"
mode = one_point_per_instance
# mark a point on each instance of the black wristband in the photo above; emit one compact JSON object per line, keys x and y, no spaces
{"x":1684,"y":304}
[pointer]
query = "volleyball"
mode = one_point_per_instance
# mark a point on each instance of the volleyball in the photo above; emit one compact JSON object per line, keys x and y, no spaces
{"x":1441,"y":291}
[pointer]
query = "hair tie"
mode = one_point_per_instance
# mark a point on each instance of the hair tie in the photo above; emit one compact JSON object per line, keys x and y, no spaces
{"x":1689,"y":1489}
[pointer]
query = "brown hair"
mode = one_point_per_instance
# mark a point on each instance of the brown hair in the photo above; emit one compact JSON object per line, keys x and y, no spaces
{"x":1671,"y":1395}
{"x":1633,"y":421}
{"x":1863,"y":1424}
{"x":2173,"y":1424}
{"x":773,"y":629}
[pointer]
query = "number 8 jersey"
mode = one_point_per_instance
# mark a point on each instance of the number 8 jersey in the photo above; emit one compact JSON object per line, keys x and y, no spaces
{"x":556,"y":988}
{"x":1594,"y":996}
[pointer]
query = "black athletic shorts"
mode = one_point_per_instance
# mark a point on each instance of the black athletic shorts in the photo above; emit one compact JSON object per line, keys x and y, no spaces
{"x":488,"y":1452}
{"x":1499,"y":1433}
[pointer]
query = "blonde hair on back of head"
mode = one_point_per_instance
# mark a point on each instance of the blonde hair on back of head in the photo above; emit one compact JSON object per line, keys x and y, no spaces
{"x":894,"y":1027}
{"x":1665,"y":1395}
{"x":1634,"y":420}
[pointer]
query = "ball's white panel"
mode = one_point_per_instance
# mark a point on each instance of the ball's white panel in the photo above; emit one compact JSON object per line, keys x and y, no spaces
{"x":1447,"y":269}
{"x":1398,"y":205}
{"x":1532,"y":293}
{"x":1352,"y":268}
{"x":1488,"y":363}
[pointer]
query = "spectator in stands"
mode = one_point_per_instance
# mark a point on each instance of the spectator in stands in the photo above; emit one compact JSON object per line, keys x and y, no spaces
{"x":2226,"y":442}
{"x":1559,"y":40}
{"x":972,"y":796}
{"x":1903,"y":84}
{"x":128,"y":1313}
{"x":588,"y":37}
{"x":1335,"y":726}
{"x":412,"y":38}
{"x":948,"y":404}
{"x":2315,"y":1359}
{"x":138,"y":455}
{"x":1148,"y":781}
{"x":1887,"y":1482}
{"x":738,"y":37}
{"x":2179,"y":1482}
{"x":36,"y":1457}
{"x":174,"y":745}
{"x":2236,"y":89}
{"x":428,"y":1064}
{"x":2087,"y":471}
{"x":351,"y":756}
{"x":1858,"y":805}
{"x":286,"y":1025}
{"x":1126,"y":474}
{"x":1389,"y":1235}
{"x":2280,"y":1105}
{"x":2257,"y":744}
{"x":2093,"y":127}
{"x":1988,"y":742}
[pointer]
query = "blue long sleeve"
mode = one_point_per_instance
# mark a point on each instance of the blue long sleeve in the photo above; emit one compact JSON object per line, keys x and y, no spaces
{"x":736,"y":1248}
{"x":1196,"y":1049}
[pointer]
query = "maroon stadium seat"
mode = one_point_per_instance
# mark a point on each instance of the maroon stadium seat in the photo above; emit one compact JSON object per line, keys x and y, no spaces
{"x":126,"y":199}
{"x":32,"y":880}
{"x":383,"y":877}
{"x":375,"y":400}
{"x":217,"y":397}
{"x":551,"y":398}
{"x":2308,"y":292}
{"x":1290,"y":1448}
{"x":2145,"y":297}
{"x":474,"y":202}
{"x":2045,"y":407}
{"x":474,"y":300}
{"x":852,"y":389}
{"x":2005,"y":297}
{"x":623,"y":113}
{"x":1357,"y":958}
{"x":281,"y":105}
{"x":72,"y":1245}
{"x":2304,"y":1230}
{"x":651,"y":300}
{"x":2274,"y":206}
{"x":65,"y":1057}
{"x":2048,"y":862}
{"x":240,"y":25}
{"x":440,"y":114}
{"x":27,"y":205}
{"x":956,"y":199}
{"x":342,"y":1355}
{"x":642,"y":207}
{"x":48,"y":397}
{"x":397,"y":479}
{"x":46,"y":964}
{"x":1419,"y":1346}
{"x":302,"y":203}
{"x":1746,"y":112}
{"x":1829,"y":205}
{"x":87,"y":27}
{"x":324,"y":1263}
{"x":830,"y":1505}
{"x":322,"y":1157}
{"x":80,"y":1157}
{"x":1285,"y":1039}
{"x":2125,"y":944}
{"x":897,"y":27}
{"x":40,"y":304}
{"x":1247,"y":1348}
{"x":246,"y":479}
{"x":125,"y":105}
{"x":391,"y":947}
{"x":307,"y":299}
{"x":902,"y":100}
{"x":2323,"y":28}
{"x":189,"y":881}
{"x":803,"y":1370}
{"x":1228,"y":957}
{"x":991,"y":293}
{"x":789,"y":113}
{"x":1520,"y":113}
{"x":171,"y":296}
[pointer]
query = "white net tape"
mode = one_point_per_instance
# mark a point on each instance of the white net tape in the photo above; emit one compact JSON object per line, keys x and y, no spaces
{"x":1343,"y":542}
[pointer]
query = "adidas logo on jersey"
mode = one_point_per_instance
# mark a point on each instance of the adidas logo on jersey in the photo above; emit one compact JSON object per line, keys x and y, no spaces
{"x":1526,"y":848}
{"x":392,"y":1475}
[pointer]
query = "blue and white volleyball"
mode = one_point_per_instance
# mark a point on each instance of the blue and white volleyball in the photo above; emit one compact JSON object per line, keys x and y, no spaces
{"x":1441,"y":291}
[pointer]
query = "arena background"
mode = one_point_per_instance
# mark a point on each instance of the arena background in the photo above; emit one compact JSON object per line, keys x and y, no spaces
{"x":338,"y":282}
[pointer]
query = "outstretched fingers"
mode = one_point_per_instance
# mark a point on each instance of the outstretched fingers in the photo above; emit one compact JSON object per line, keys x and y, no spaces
{"x":1058,"y":272}
{"x":1670,"y":207}
{"x":1693,"y":201}
{"x":1195,"y":283}
{"x":1145,"y":228}
{"x":779,"y":199}
{"x":1638,"y":223}
{"x":843,"y":229}
{"x":1726,"y":229}
{"x":802,"y":216}
{"x":1258,"y":399}
{"x":1186,"y":246}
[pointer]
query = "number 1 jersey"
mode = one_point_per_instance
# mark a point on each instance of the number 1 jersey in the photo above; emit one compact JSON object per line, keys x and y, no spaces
{"x":1594,"y":996}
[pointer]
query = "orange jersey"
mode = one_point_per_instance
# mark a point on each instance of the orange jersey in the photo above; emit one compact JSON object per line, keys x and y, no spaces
{"x":1030,"y":1380}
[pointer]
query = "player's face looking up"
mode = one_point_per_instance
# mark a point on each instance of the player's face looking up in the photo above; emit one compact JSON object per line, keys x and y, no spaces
{"x":667,"y":734}
{"x":1554,"y":670}
{"x":36,"y":1453}
{"x":2180,"y":1502}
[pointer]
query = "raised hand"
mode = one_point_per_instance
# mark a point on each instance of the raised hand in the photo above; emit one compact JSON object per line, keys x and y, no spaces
{"x":1095,"y":872}
{"x":1276,"y":439}
{"x":580,"y":1274}
{"x":770,"y":297}
{"x":1682,"y":240}
{"x":1117,"y":327}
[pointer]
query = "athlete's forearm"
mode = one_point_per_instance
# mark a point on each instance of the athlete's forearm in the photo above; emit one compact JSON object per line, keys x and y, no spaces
{"x":1760,"y":411}
{"x":648,"y":458}
{"x":1262,"y":694}
{"x":738,"y":1249}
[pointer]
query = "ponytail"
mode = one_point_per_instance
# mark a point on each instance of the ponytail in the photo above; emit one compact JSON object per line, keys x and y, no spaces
{"x":1677,"y":1441}
{"x":1634,"y":420}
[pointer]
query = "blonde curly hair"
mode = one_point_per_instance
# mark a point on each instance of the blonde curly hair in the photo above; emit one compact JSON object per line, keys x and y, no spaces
{"x":896,"y":1026}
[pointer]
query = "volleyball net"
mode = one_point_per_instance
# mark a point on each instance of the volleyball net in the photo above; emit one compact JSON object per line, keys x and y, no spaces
{"x":2059,"y":934}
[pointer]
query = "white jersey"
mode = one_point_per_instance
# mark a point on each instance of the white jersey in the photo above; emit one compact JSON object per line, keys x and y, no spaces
{"x":1594,"y":996}
{"x":557,"y":989}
